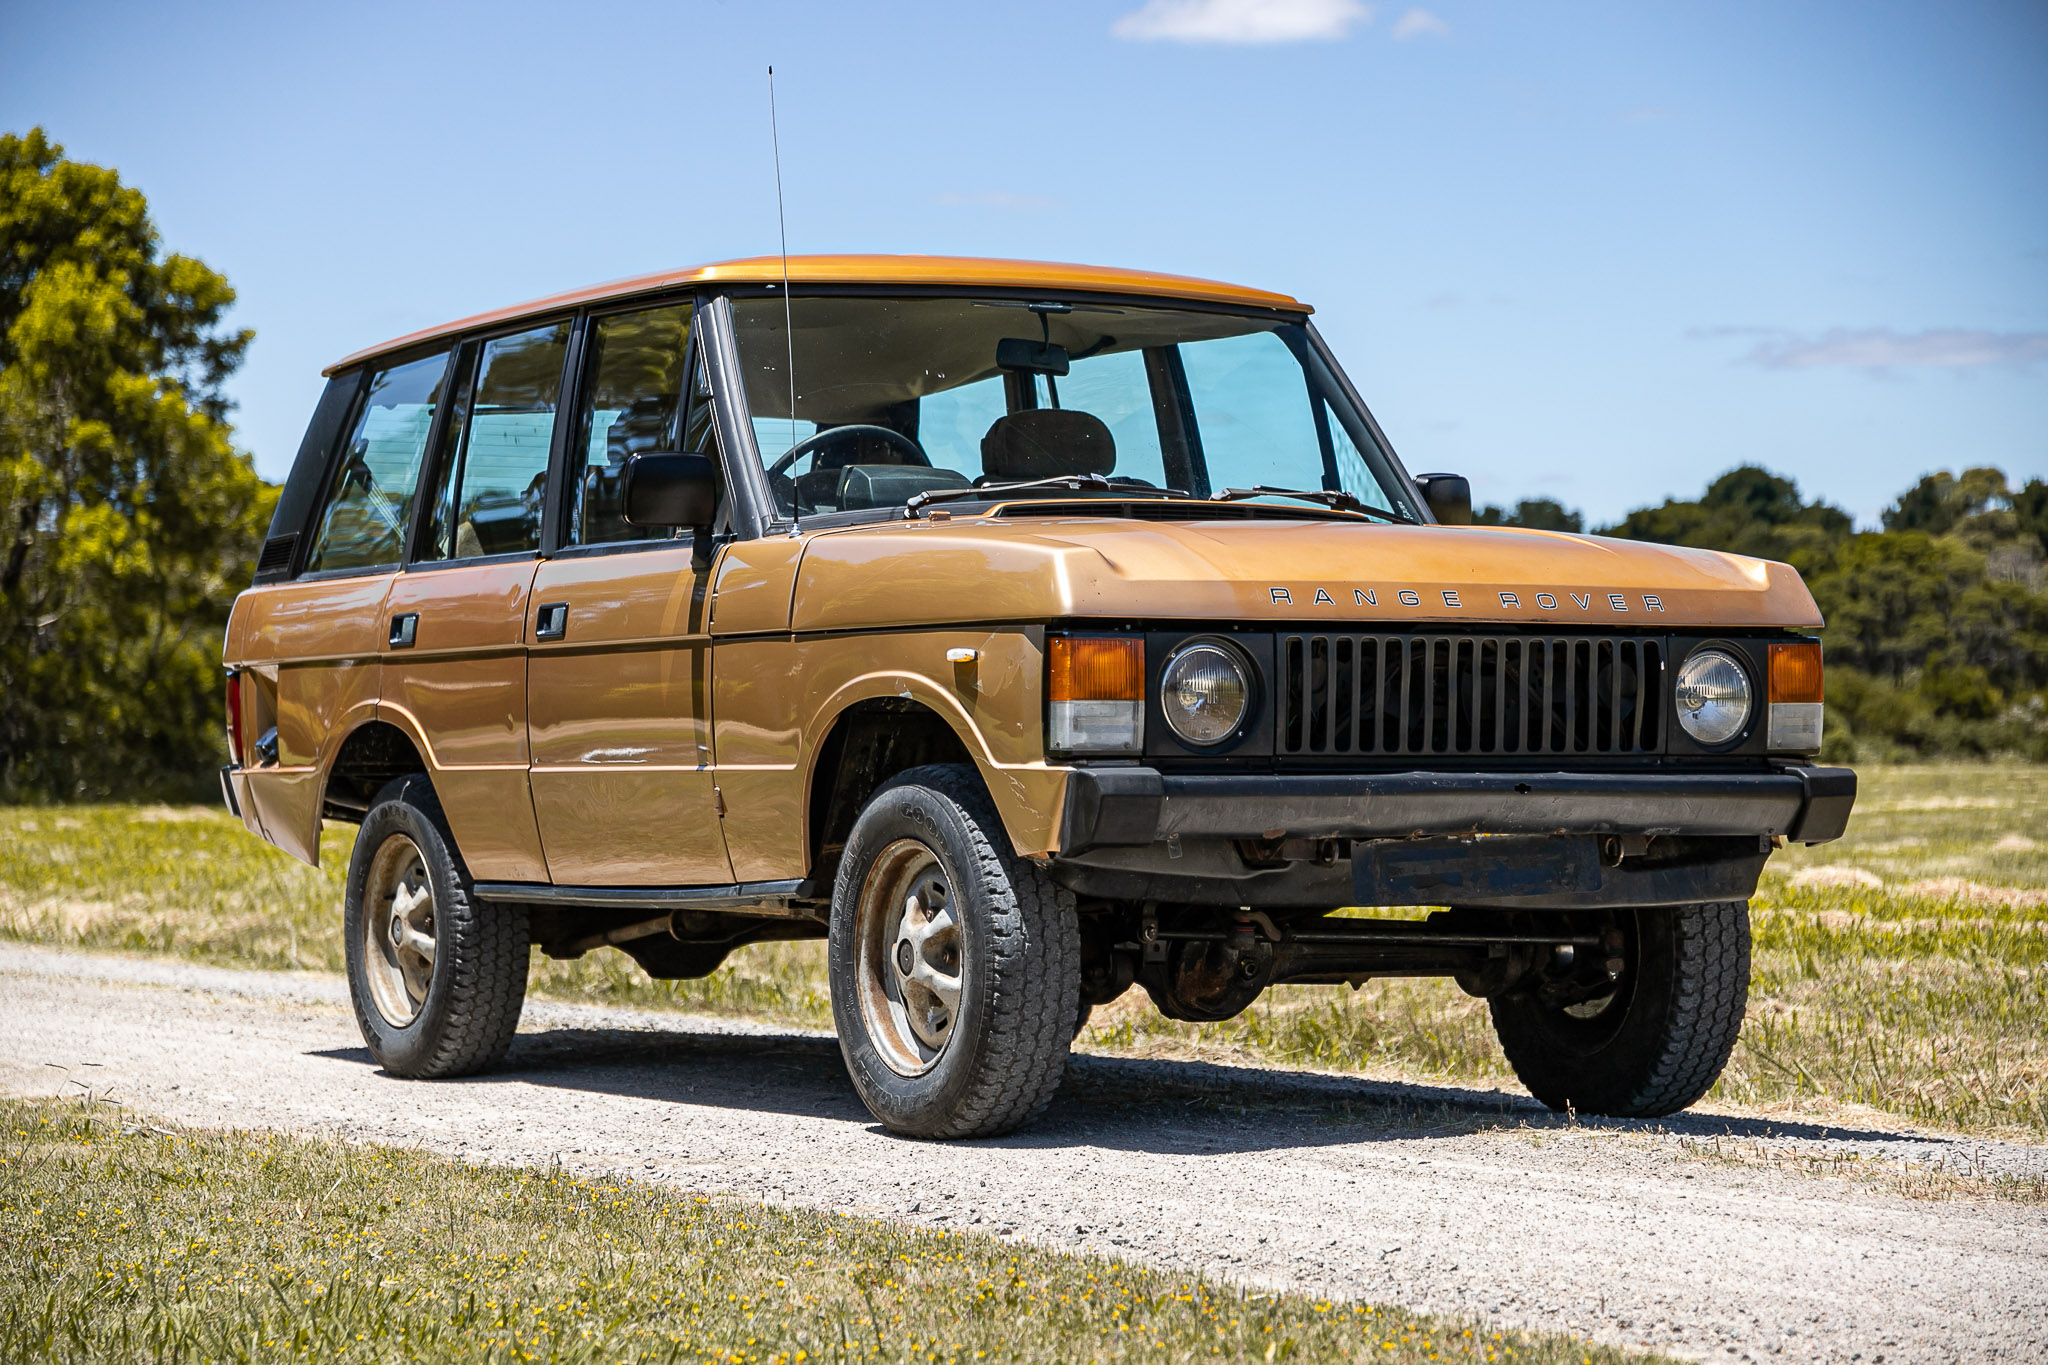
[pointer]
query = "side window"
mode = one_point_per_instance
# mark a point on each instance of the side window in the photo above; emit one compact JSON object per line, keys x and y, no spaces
{"x":491,"y":481}
{"x":634,"y":403}
{"x":1253,"y":408}
{"x":951,"y":422}
{"x":1353,"y":470}
{"x":370,"y":501}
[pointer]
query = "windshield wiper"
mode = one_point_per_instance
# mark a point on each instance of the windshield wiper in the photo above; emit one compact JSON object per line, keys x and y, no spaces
{"x":1335,"y":498}
{"x":1077,"y":482}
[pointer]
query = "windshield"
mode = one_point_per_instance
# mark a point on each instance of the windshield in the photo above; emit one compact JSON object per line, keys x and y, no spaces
{"x":896,"y":397}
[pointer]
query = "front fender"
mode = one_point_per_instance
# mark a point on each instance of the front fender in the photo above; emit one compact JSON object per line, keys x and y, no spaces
{"x":1029,"y":795}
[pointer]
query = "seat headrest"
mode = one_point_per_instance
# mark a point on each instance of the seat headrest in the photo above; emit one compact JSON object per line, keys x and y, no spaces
{"x":1039,"y":443}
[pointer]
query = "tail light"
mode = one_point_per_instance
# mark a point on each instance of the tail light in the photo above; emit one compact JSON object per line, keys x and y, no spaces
{"x":1796,"y":697}
{"x":1095,"y":685}
{"x":235,"y":716}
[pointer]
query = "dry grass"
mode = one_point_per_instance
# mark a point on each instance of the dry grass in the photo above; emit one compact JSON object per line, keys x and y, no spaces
{"x":1957,"y":1178}
{"x":193,"y":883}
{"x":1900,"y":969}
{"x":121,"y":1240}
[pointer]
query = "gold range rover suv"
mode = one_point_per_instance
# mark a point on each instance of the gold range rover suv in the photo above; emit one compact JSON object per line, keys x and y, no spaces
{"x":1027,"y":632}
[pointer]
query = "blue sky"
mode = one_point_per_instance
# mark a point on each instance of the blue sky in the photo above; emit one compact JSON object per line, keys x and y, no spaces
{"x":1594,"y":252}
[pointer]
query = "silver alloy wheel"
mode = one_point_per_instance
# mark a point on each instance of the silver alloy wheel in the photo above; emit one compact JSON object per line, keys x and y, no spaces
{"x":398,"y":930}
{"x":909,"y":935}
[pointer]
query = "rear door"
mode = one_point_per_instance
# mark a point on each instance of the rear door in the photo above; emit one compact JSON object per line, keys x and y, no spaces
{"x":454,"y":645}
{"x":623,"y":783}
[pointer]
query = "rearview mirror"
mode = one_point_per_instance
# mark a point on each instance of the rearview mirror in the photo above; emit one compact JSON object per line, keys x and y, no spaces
{"x":1449,"y":497}
{"x":668,"y":488}
{"x":1032,"y":357}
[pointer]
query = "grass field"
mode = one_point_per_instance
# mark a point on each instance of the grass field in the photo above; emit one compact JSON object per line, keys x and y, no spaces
{"x":1901,"y":968}
{"x":123,"y":1241}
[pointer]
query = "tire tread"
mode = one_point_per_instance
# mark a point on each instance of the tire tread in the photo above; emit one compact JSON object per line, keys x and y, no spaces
{"x":1690,"y":1044}
{"x":1034,"y":972}
{"x":489,"y":948}
{"x":1712,"y":997}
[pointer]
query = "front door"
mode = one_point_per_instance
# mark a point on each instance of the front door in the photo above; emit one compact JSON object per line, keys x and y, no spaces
{"x":619,"y":669}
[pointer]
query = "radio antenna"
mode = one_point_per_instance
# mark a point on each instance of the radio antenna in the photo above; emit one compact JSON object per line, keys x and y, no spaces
{"x":782,"y":228}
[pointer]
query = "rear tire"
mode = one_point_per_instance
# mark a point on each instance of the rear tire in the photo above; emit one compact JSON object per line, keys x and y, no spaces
{"x":955,"y":964}
{"x":437,"y":978}
{"x":1660,"y":1040}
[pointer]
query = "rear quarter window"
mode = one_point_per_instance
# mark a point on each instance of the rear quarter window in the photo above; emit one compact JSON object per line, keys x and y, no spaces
{"x":369,"y":502}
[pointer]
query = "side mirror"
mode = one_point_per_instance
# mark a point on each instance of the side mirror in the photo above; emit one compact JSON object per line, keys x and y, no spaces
{"x":669,"y":488}
{"x":1449,"y":497}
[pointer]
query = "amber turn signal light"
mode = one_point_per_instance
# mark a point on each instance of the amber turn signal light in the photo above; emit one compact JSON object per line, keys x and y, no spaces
{"x":1795,"y":672}
{"x":1095,"y":687}
{"x":1096,"y":668}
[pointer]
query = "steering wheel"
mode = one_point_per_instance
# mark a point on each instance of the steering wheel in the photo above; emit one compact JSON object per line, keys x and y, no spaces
{"x":826,"y":437}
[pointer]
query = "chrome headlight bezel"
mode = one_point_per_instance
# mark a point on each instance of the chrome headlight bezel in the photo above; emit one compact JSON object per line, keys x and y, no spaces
{"x":1695,"y":694}
{"x":1206,"y":650}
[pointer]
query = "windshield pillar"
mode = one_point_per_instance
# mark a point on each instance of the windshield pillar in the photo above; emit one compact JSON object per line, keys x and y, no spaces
{"x":754,"y":513}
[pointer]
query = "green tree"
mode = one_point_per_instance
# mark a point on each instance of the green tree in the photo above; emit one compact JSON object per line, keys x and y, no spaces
{"x":1542,"y":514}
{"x":2030,"y":510}
{"x":127,"y":518}
{"x":1941,"y":499}
{"x":1906,"y":606}
{"x":1750,"y":511}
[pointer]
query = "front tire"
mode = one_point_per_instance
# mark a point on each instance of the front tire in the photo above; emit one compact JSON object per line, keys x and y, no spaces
{"x":955,"y":964}
{"x":437,"y":979}
{"x":1658,"y":1041}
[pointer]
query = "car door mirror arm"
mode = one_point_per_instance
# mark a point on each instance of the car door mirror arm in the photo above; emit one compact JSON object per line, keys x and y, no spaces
{"x":665,"y":489}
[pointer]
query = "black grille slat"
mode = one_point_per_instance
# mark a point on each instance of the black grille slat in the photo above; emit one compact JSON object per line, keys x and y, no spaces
{"x":1379,"y":705}
{"x":1343,"y":693}
{"x":1614,"y":666}
{"x":1522,"y":706}
{"x":1571,"y":697}
{"x":1462,"y":696}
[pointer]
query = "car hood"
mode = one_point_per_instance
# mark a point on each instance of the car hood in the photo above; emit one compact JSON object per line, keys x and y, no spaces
{"x":1299,"y":572}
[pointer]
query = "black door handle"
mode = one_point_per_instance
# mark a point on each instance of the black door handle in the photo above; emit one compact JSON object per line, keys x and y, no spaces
{"x":551,"y":622}
{"x":404,"y":629}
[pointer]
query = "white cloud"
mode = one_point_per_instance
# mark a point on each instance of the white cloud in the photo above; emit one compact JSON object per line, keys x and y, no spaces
{"x":1420,"y":23}
{"x":1242,"y":21}
{"x":1881,"y":348}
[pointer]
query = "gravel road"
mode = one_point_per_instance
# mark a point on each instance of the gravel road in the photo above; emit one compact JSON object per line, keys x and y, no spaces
{"x":1453,"y":1200}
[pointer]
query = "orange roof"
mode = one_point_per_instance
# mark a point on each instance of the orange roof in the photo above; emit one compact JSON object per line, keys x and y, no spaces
{"x":966,"y":270}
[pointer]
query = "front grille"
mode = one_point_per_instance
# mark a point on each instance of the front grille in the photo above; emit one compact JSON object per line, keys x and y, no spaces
{"x":1451,"y":695}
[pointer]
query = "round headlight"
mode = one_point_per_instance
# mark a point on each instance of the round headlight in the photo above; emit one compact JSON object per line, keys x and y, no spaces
{"x":1205,"y":692}
{"x":1713,"y":697}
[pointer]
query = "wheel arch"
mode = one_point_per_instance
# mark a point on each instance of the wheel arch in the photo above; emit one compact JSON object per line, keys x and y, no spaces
{"x":870,"y":740}
{"x":369,"y":756}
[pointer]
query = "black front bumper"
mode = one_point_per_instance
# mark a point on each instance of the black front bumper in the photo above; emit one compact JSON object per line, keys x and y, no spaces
{"x":1125,"y":807}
